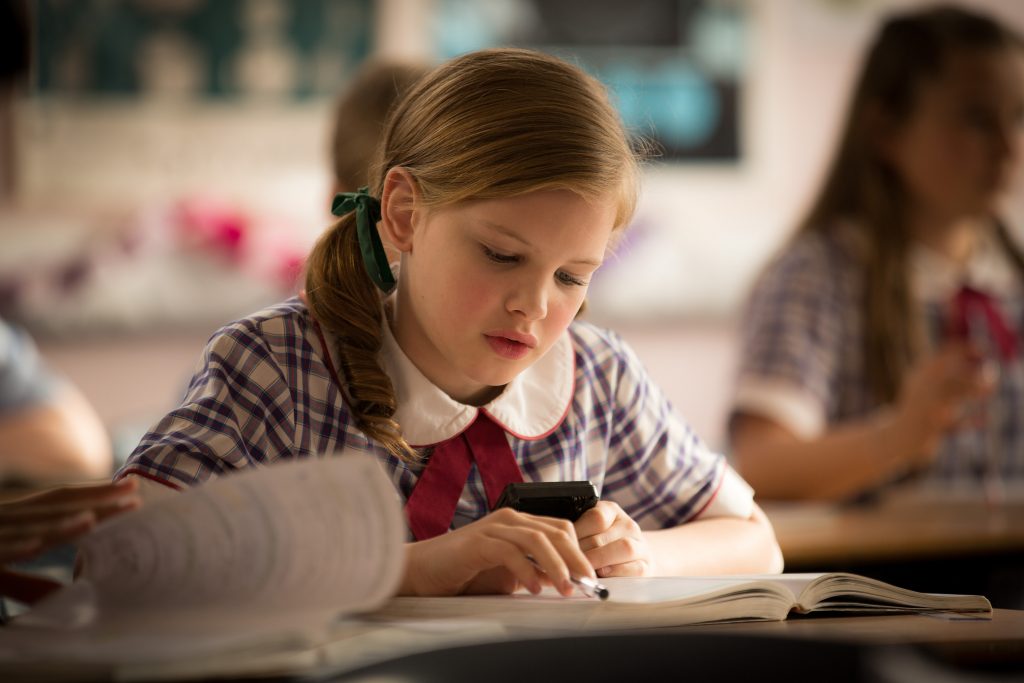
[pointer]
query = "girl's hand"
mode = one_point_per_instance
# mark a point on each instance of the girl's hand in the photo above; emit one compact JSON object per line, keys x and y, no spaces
{"x":491,"y":555}
{"x":613,"y":542}
{"x":934,"y":396}
{"x":32,"y":524}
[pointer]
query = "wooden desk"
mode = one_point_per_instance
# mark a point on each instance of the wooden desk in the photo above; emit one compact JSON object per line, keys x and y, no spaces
{"x":836,"y":648}
{"x":813,"y":534}
{"x":855,"y":649}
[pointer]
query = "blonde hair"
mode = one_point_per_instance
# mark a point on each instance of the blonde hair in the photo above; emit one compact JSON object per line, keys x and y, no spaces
{"x":861,"y":188}
{"x":487,"y":125}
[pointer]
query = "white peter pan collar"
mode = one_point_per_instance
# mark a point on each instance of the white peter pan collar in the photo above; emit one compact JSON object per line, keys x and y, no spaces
{"x":934,"y":278}
{"x":532,"y":405}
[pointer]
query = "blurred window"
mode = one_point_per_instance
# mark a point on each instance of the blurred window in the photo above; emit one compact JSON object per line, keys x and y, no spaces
{"x":675,"y":67}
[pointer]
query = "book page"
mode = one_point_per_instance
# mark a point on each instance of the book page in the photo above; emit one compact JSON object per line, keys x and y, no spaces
{"x":312,"y":534}
{"x":633,"y":602}
{"x":851,"y":592}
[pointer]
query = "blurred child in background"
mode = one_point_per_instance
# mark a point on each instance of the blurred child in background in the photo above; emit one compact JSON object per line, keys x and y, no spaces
{"x":48,"y":431}
{"x":882,"y":342}
{"x":48,"y":434}
{"x":359,"y":117}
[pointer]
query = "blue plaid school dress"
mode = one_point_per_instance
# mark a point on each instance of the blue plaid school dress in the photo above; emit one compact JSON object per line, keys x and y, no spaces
{"x":263,"y":391}
{"x":802,"y":362}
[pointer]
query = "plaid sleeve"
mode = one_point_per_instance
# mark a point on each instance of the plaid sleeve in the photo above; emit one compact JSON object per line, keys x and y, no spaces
{"x":238,"y":411}
{"x":789,"y":347}
{"x":658,"y":469}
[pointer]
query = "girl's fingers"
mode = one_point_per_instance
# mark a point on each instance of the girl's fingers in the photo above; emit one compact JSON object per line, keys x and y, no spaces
{"x":550,"y":542}
{"x":566,"y":543}
{"x":43,"y":529}
{"x":608,"y":522}
{"x":596,"y":519}
{"x":499,"y":552}
{"x":123,"y":505}
{"x":597,"y":540}
{"x":87,"y":492}
{"x":622,"y":547}
{"x":633,"y":568}
{"x":61,"y":502}
{"x":623,"y":543}
{"x":606,"y":555}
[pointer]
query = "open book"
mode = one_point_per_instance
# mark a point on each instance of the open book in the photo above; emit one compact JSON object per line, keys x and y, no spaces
{"x":672,"y":601}
{"x":279,"y":549}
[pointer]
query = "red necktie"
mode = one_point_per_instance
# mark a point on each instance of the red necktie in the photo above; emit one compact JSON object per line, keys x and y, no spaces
{"x":431,"y":506}
{"x":968,"y":301}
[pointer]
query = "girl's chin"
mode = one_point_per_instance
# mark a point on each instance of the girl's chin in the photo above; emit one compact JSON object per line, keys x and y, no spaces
{"x":493,"y":381}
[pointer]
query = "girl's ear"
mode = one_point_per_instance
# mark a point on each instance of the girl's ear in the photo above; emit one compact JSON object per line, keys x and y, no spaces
{"x":398,"y":207}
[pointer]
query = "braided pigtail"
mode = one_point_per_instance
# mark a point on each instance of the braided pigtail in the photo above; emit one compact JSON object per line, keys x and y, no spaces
{"x":346,"y":302}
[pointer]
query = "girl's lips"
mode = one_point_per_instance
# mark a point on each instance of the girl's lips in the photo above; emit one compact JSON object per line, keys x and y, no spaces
{"x":507,"y":348}
{"x":524,"y":338}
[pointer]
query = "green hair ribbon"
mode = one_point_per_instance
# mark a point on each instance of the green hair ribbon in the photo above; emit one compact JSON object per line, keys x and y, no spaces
{"x":367,"y":210}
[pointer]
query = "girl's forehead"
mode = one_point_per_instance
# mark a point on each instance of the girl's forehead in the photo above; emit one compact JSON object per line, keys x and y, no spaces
{"x":546,"y":214}
{"x":986,"y":78}
{"x":983,"y":70}
{"x":521,"y":207}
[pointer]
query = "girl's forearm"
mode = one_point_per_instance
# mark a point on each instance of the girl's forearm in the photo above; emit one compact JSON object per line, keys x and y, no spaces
{"x":841,"y":463}
{"x":723,"y":545}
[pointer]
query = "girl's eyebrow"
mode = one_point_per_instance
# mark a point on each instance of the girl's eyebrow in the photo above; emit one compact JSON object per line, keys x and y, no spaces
{"x":498,"y":227}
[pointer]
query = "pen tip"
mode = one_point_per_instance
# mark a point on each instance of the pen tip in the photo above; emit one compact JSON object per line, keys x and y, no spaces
{"x":602,"y":593}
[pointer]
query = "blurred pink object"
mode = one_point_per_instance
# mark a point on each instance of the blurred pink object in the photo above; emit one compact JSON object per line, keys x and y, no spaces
{"x":212,"y":225}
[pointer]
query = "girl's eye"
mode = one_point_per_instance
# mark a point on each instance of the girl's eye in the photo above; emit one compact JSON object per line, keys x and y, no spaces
{"x":498,"y":257}
{"x":569,"y":279}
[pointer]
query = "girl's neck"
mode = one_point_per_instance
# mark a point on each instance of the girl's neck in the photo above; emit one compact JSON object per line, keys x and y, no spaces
{"x":954,"y":239}
{"x":475,"y":396}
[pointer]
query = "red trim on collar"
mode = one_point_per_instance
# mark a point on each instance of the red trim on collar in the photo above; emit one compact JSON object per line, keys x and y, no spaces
{"x":565,"y":413}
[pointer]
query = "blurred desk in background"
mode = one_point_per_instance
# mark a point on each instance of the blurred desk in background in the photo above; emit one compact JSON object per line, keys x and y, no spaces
{"x":886,"y":648}
{"x":957,"y":545}
{"x":815,"y":534}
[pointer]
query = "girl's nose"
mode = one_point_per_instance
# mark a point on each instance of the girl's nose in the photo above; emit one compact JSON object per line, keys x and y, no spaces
{"x":530,"y":300}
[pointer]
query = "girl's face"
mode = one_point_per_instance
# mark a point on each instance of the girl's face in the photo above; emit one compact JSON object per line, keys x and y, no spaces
{"x":957,"y":151}
{"x":487,"y":287}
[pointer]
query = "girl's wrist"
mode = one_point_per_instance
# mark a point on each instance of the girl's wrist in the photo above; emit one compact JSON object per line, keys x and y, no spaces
{"x":409,"y":585}
{"x":898,"y":444}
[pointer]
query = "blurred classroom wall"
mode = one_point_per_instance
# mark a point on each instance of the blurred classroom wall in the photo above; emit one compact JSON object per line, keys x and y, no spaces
{"x":140,"y":196}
